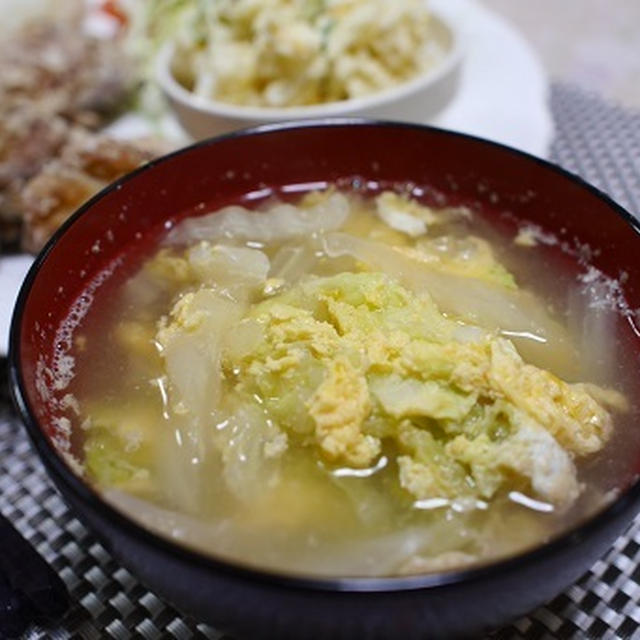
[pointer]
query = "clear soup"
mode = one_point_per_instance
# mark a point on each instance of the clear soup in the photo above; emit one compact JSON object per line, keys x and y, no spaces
{"x":353,"y":385}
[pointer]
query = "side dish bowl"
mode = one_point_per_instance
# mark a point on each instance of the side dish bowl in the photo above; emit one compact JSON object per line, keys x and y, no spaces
{"x":503,"y":183}
{"x":417,"y":100}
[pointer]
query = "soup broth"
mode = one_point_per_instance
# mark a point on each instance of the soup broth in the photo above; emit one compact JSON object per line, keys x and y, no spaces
{"x":353,"y":385}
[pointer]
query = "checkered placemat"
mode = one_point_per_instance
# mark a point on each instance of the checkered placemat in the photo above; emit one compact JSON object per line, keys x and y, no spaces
{"x":598,"y":141}
{"x":595,"y":139}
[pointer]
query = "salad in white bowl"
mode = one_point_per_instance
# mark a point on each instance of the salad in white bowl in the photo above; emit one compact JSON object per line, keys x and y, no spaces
{"x":227,"y":64}
{"x":276,"y":53}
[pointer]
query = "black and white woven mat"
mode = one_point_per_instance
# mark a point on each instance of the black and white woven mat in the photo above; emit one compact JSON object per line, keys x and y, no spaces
{"x":599,"y":141}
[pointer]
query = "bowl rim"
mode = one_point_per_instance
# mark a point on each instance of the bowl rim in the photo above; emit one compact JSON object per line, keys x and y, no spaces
{"x":626,"y":498}
{"x":175,"y":91}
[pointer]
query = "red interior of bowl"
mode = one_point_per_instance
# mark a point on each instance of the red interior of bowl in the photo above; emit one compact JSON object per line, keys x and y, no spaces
{"x":502,"y":183}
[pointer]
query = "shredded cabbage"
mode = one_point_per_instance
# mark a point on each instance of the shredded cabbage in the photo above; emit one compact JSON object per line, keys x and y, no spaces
{"x":539,"y":337}
{"x":339,"y":354}
{"x":280,"y":222}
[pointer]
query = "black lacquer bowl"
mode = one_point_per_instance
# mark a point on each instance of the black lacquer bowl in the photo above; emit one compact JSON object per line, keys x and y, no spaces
{"x":498,"y":182}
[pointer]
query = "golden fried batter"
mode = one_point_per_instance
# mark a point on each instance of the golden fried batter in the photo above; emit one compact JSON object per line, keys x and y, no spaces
{"x":86,"y":164}
{"x":54,"y":80}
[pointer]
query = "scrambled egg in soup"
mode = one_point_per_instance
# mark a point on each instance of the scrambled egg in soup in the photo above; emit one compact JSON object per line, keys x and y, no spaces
{"x":343,"y":386}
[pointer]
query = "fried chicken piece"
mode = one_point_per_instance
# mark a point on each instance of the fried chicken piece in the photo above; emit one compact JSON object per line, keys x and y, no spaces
{"x":86,"y":165}
{"x":55,"y":66}
{"x":53,"y":79}
{"x":27,"y":140}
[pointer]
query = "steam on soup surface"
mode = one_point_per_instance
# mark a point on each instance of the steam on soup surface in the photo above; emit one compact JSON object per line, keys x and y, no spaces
{"x":347,"y":386}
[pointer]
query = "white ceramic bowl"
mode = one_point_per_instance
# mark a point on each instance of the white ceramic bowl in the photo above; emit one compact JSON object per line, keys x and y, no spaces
{"x":417,"y":100}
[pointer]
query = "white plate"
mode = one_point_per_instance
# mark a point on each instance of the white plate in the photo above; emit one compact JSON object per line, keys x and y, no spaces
{"x":502,"y":96}
{"x":503,"y":93}
{"x":12,"y":272}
